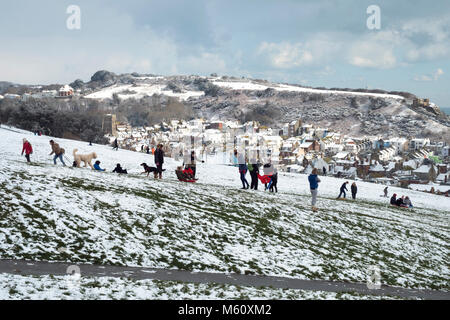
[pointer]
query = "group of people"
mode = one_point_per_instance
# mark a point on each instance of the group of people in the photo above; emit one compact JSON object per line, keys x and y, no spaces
{"x":146,"y":149}
{"x":353,"y":188}
{"x":270,"y":177}
{"x":314,"y":180}
{"x":403,"y":202}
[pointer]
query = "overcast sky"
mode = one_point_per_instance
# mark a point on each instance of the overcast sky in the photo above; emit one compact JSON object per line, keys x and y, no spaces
{"x":311,"y":42}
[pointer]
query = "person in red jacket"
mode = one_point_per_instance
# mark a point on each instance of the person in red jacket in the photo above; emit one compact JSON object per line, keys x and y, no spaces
{"x":27,"y":148}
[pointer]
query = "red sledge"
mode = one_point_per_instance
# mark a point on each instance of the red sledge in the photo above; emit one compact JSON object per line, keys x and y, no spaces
{"x":264,"y":179}
{"x":185,"y":175}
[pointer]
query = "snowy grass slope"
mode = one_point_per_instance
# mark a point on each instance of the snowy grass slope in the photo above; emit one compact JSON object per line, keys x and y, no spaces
{"x":19,"y":287}
{"x":77,"y":215}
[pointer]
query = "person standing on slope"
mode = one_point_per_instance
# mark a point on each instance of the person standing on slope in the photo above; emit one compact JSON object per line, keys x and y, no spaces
{"x":242,"y":169}
{"x":385,"y":192}
{"x":59,"y":152}
{"x":354,"y":189}
{"x":253,"y":167}
{"x":343,"y":189}
{"x":159,"y":159}
{"x":116,"y":145}
{"x":313,"y":186}
{"x":27,"y":148}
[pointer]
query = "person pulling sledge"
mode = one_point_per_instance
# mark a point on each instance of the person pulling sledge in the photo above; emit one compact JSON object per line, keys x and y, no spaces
{"x":58,"y":151}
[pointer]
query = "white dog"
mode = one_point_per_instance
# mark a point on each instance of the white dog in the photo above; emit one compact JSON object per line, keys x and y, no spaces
{"x":86,"y":158}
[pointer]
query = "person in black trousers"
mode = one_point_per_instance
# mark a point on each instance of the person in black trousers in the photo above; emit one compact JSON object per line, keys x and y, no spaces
{"x":354,"y":189}
{"x":343,"y":189}
{"x":159,"y":159}
{"x":254,"y":174}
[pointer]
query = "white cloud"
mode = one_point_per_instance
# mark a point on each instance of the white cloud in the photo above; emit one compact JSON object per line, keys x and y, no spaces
{"x":430,"y":77}
{"x":318,"y":49}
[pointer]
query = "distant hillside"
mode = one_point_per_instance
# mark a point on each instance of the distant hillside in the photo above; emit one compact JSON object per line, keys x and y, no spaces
{"x":142,"y":99}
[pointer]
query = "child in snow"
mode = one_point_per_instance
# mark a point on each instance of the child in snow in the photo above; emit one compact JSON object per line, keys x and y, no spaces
{"x":97,"y":166}
{"x":407,"y":202}
{"x":27,"y":148}
{"x":119,"y":169}
{"x":354,"y":189}
{"x":394,"y":199}
{"x":343,"y":189}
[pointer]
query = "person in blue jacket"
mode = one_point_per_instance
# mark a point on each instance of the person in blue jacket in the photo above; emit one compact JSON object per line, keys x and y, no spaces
{"x":97,"y":166}
{"x":313,"y":186}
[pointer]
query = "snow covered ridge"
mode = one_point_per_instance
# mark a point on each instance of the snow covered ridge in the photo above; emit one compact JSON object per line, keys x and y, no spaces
{"x":127,"y":91}
{"x":147,"y":86}
{"x":55,"y":213}
{"x":249,"y":85}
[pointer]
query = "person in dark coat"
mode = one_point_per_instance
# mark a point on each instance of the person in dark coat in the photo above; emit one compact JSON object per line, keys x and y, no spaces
{"x":27,"y":148}
{"x":385,"y":192}
{"x":254,"y":171}
{"x":354,"y":189}
{"x":399,"y":202}
{"x":394,"y":199}
{"x":115,"y":145}
{"x":119,"y":169}
{"x":242,"y":170}
{"x":159,"y":159}
{"x":147,"y":149}
{"x":343,"y":189}
{"x":274,"y":181}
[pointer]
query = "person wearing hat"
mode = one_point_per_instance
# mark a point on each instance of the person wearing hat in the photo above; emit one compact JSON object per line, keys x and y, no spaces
{"x":97,"y":166}
{"x":27,"y":148}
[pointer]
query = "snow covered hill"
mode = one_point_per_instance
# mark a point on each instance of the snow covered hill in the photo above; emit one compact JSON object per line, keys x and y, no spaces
{"x":55,"y":213}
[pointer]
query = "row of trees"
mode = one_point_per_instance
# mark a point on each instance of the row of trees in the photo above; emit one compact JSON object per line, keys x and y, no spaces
{"x":36,"y":115}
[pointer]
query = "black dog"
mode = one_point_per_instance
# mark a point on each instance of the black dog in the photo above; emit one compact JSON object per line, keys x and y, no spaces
{"x":149,"y":169}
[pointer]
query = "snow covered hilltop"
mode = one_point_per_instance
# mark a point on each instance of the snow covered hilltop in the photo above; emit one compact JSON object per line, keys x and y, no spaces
{"x":349,"y":111}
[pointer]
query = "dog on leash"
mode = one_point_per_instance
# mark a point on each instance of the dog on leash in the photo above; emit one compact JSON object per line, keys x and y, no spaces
{"x":86,"y":158}
{"x":149,"y":170}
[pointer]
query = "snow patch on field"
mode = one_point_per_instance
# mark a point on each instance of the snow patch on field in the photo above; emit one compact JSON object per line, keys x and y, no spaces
{"x":18,"y":287}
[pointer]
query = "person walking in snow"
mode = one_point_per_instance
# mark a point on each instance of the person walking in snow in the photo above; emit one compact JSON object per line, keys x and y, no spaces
{"x":115,"y":145}
{"x":58,"y":151}
{"x":242,"y":169}
{"x":343,"y":189}
{"x":97,"y":166}
{"x":354,"y":189}
{"x":159,"y":159}
{"x":313,"y":186}
{"x":27,"y":148}
{"x":386,"y":192}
